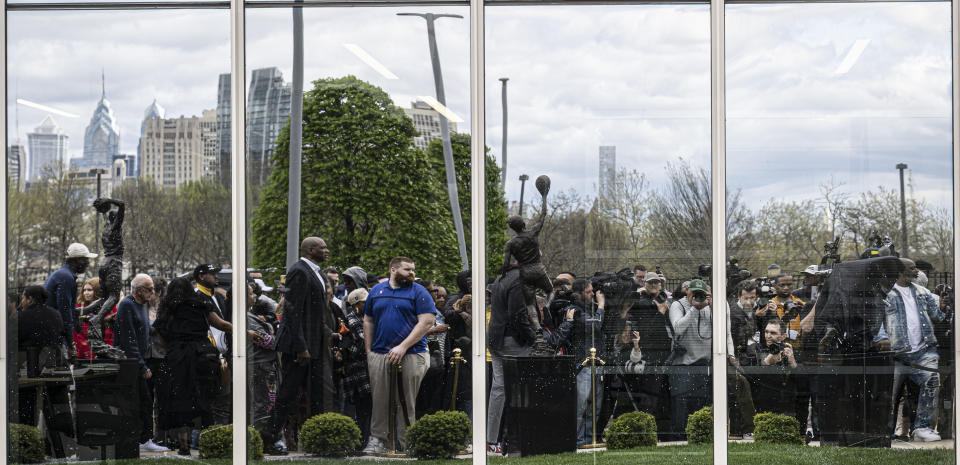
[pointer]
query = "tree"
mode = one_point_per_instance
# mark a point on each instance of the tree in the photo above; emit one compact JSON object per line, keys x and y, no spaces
{"x":563,"y":235}
{"x":367,"y":191}
{"x":628,"y":207}
{"x":496,"y":207}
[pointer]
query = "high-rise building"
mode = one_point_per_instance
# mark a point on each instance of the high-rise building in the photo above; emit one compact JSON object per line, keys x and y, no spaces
{"x":101,"y":140}
{"x":154,"y":110}
{"x":129,"y":164}
{"x":224,"y":130}
{"x":426,"y":121}
{"x":16,"y":161}
{"x":208,"y":137}
{"x":172,"y":150}
{"x":47,"y":145}
{"x":608,"y":171}
{"x":268,"y":109}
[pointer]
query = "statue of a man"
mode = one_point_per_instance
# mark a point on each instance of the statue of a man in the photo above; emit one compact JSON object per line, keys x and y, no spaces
{"x":111,"y":269}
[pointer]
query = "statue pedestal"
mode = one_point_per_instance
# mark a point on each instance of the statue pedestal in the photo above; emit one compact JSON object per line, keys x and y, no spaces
{"x":541,"y":408}
{"x":854,"y":402}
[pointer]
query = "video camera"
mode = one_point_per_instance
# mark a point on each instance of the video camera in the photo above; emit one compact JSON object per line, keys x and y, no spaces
{"x":616,"y":286}
{"x":735,"y":274}
{"x":831,"y":251}
{"x":880,"y":246}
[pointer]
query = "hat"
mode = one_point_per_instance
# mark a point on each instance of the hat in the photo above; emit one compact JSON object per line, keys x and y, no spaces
{"x":812,"y":270}
{"x":649,"y":277}
{"x":263,"y":285}
{"x":698,"y":285}
{"x":204,"y":269}
{"x":357,"y":295}
{"x":78,"y":250}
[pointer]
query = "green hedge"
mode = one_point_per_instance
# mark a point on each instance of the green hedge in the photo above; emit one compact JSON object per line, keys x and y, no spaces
{"x":700,"y":426}
{"x":25,"y":444}
{"x":329,"y":435}
{"x":216,"y":442}
{"x":775,"y":428}
{"x":438,"y":436}
{"x":633,"y":429}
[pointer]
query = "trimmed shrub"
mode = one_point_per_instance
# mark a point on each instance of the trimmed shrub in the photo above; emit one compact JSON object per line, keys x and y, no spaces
{"x":776,"y":428}
{"x":700,"y":426}
{"x":329,"y":435}
{"x":438,"y":436}
{"x":632,"y":429}
{"x":25,"y":444}
{"x":216,"y":442}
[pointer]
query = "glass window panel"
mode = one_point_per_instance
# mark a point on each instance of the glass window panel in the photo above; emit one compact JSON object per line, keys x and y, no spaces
{"x":611,"y":103}
{"x":839,"y":129}
{"x":373,"y":187}
{"x":131,"y":119}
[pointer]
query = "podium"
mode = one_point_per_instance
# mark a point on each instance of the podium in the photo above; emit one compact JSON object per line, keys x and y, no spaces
{"x":540,"y":413}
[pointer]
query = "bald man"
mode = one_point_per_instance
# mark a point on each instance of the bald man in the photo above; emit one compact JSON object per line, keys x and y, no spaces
{"x":303,"y":340}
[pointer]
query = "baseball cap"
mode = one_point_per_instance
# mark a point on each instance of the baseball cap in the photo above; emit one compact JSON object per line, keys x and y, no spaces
{"x":698,"y":285}
{"x":649,"y":277}
{"x":811,"y":270}
{"x":78,"y":250}
{"x":357,"y":295}
{"x":204,"y":269}
{"x":263,"y":285}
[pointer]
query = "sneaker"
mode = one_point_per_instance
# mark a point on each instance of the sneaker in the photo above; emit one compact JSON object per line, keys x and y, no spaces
{"x":184,"y":451}
{"x":494,"y":450}
{"x":280,"y":445}
{"x":925,"y":435}
{"x":151,"y":446}
{"x":748,"y":436}
{"x":271,"y":449}
{"x":374,"y":447}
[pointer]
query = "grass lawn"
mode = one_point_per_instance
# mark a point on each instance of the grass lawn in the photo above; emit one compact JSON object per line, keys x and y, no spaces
{"x":740,"y":454}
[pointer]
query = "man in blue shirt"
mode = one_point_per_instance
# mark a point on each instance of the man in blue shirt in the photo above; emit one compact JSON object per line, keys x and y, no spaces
{"x":62,"y":287}
{"x":396,"y":318}
{"x":133,"y":337}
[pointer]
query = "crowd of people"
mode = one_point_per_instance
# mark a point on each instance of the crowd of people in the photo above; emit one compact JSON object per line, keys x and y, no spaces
{"x":335,"y":341}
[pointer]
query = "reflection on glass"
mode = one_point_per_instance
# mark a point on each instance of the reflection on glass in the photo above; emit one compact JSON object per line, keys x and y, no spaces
{"x":839,"y":143}
{"x":375,"y":316}
{"x":619,"y":122}
{"x":116,"y":335}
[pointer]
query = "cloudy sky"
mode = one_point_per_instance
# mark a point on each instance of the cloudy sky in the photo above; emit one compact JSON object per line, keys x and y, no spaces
{"x":637,"y":77}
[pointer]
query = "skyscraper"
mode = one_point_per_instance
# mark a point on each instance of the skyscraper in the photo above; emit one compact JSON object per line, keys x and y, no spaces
{"x":101,"y":140}
{"x":47,"y":146}
{"x":172,"y":150}
{"x":209,"y":140}
{"x":154,"y":110}
{"x":16,"y":161}
{"x":426,"y":121}
{"x":268,"y":108}
{"x":608,"y":171}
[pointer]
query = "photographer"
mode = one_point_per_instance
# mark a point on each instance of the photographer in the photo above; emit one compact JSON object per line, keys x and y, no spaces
{"x":693,"y":333}
{"x":773,"y":390}
{"x":588,"y":319}
{"x":789,"y":308}
{"x":649,"y":312}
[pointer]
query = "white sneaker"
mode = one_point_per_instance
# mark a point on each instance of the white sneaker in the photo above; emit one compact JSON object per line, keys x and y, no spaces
{"x":374,"y":447}
{"x":748,"y":436}
{"x":280,"y":445}
{"x":151,"y":446}
{"x":925,"y":435}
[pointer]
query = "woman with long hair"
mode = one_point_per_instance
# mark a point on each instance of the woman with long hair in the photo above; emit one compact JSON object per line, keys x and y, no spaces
{"x":89,"y":294}
{"x":183,"y":320}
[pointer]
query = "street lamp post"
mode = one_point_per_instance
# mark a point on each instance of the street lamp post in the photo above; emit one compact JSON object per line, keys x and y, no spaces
{"x":96,"y":240}
{"x":523,"y":182}
{"x":503,"y":143}
{"x":903,"y":211}
{"x":445,"y":131}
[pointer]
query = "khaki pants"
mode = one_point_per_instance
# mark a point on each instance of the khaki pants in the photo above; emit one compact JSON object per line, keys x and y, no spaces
{"x":414,"y":367}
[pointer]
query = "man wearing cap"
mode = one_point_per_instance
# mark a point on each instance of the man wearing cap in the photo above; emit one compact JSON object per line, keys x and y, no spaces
{"x":303,"y":339}
{"x":62,"y":287}
{"x":812,"y":277}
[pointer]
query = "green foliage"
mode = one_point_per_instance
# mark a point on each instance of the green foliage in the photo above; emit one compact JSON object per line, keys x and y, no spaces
{"x":329,"y":435}
{"x":776,"y":428}
{"x":438,"y":436}
{"x":700,"y":426}
{"x":216,"y":442}
{"x":632,"y":429}
{"x":496,"y":207}
{"x":367,"y":191}
{"x":24,"y":444}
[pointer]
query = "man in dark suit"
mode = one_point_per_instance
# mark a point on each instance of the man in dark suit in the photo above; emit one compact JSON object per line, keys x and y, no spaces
{"x":303,"y":340}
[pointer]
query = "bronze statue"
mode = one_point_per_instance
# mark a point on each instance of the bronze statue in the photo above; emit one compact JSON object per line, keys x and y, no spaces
{"x":525,"y":248}
{"x":110,"y":273}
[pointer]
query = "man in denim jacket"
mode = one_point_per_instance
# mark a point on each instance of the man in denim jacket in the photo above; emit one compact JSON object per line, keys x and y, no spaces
{"x":908,"y":331}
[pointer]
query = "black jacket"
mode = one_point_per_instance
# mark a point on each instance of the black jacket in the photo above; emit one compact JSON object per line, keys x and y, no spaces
{"x":307,"y":323}
{"x":508,"y":313}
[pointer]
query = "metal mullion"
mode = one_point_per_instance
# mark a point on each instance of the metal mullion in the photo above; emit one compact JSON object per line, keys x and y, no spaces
{"x":719,"y":188}
{"x":238,"y":203}
{"x":955,"y":63}
{"x":3,"y":239}
{"x":478,"y":203}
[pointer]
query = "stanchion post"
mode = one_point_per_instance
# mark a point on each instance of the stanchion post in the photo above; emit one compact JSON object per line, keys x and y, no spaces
{"x":593,"y":360}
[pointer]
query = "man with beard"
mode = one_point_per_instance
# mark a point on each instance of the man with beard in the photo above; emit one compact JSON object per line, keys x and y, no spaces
{"x":396,"y":317}
{"x":62,"y":287}
{"x":303,"y":341}
{"x":908,"y":331}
